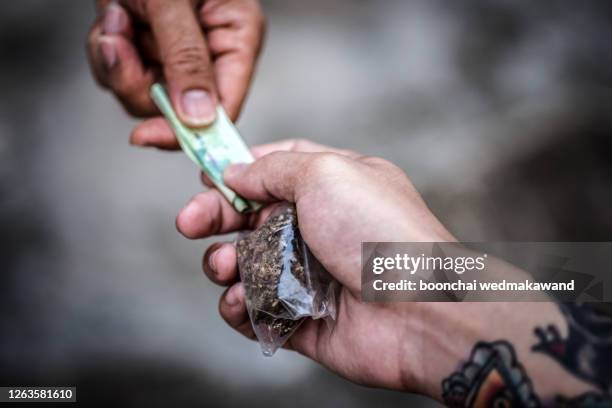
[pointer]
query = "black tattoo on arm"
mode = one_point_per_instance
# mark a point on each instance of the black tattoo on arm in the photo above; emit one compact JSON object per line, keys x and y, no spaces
{"x":493,"y":377}
{"x":587,"y":350}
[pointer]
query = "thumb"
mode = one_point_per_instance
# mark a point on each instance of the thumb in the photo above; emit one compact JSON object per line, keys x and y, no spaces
{"x":186,"y":61}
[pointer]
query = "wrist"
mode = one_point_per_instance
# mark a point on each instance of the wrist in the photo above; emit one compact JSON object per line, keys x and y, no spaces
{"x":437,"y":337}
{"x":448,"y":332}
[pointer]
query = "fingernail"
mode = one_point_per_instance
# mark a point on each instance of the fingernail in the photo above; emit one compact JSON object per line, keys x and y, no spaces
{"x":234,"y":295}
{"x":115,"y":19}
{"x":235,"y":170}
{"x":212,"y":261}
{"x":198,"y":108}
{"x":109,"y":54}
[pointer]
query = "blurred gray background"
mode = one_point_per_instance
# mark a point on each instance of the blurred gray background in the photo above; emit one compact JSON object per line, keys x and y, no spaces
{"x":499,"y":111}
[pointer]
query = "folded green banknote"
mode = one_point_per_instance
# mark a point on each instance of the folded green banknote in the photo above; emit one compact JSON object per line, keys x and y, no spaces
{"x":212,"y":148}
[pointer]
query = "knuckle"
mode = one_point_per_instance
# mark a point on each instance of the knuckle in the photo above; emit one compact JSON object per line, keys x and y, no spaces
{"x":391,"y":170}
{"x":127,"y":92}
{"x":134,"y":106}
{"x":300,"y":143}
{"x":270,"y":158}
{"x":188,"y":60}
{"x":277,"y":154}
{"x":324,"y":164}
{"x":376,"y":161}
{"x":133,"y":94}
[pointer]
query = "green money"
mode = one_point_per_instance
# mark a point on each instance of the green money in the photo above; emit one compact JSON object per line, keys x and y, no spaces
{"x":212,"y":148}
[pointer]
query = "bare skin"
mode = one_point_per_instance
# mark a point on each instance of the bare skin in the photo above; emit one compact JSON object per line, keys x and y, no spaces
{"x":327,"y":178}
{"x":206,"y":51}
{"x":342,"y":199}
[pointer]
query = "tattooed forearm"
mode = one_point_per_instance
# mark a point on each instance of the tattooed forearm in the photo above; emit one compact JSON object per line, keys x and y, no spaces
{"x":587,"y":350}
{"x":493,"y":377}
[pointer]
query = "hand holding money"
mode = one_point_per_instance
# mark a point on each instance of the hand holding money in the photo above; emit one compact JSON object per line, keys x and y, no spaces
{"x":211,"y":148}
{"x":205,"y":52}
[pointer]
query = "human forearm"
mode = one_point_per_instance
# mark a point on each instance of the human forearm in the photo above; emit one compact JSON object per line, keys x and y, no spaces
{"x":346,"y":199}
{"x":494,"y":354}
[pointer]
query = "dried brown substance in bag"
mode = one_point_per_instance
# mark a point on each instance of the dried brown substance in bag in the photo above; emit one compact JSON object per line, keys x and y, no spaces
{"x":283,"y":281}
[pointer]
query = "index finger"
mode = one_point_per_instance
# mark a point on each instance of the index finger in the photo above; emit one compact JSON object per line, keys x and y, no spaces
{"x":283,"y":176}
{"x":289,"y":145}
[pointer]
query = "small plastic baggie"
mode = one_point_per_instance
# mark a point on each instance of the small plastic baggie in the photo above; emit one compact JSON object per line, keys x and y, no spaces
{"x":284,"y":283}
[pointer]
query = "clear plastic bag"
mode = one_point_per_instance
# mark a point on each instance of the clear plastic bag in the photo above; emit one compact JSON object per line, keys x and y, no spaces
{"x":283,"y":281}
